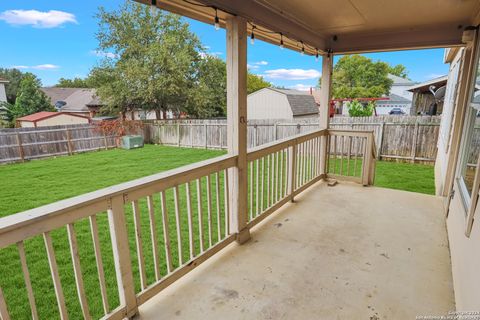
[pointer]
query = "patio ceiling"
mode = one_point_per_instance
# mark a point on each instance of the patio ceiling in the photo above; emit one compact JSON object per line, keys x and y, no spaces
{"x":343,"y":26}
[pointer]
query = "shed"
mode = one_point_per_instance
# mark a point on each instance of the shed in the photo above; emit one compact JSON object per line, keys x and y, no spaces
{"x":423,"y":98}
{"x":281,"y":104}
{"x":46,"y":118}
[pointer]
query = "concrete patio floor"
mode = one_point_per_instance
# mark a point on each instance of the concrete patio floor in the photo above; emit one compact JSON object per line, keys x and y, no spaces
{"x":343,"y":252}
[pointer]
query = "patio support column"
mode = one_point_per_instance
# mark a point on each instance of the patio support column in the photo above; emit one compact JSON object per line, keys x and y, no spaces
{"x":325,"y":95}
{"x":237,"y":124}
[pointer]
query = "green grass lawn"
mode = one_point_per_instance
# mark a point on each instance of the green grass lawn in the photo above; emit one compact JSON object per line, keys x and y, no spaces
{"x":36,"y":183}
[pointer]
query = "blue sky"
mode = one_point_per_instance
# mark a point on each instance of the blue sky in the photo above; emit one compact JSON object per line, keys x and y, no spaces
{"x":56,"y":38}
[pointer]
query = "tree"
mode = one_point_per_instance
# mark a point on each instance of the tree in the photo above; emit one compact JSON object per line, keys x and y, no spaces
{"x":14,"y":77}
{"x":256,"y":82}
{"x":356,"y":109}
{"x":154,"y":61}
{"x":399,"y":70}
{"x":356,"y":76}
{"x":30,"y":99}
{"x":73,"y":83}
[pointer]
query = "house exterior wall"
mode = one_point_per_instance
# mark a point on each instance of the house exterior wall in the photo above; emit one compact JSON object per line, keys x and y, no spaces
{"x":464,"y":250}
{"x":3,"y":94}
{"x":26,"y":124}
{"x":402,"y":91}
{"x":384,"y":109}
{"x":268,"y":104}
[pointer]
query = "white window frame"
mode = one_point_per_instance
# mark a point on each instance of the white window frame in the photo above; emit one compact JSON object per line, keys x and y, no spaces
{"x":469,"y":201}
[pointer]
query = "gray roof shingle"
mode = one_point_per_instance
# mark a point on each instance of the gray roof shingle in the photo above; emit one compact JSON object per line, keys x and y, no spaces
{"x":301,"y":102}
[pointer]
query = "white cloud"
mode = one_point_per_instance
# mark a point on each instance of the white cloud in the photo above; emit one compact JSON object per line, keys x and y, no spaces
{"x":301,"y":87}
{"x":38,"y":19}
{"x":292,"y":74}
{"x":104,"y":54}
{"x":261,"y":63}
{"x":252,"y":66}
{"x":38,"y":67}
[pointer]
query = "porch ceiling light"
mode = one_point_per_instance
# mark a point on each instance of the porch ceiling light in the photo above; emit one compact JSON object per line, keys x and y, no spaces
{"x":252,"y":36}
{"x":217,"y":21}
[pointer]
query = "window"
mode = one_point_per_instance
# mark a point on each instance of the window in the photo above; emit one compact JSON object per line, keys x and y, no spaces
{"x":470,"y":145}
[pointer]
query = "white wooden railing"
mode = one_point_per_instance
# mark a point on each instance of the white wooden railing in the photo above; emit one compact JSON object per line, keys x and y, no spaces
{"x":159,"y":227}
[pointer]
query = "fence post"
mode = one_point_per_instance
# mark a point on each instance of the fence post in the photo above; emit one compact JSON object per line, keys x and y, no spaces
{"x":414,"y":143}
{"x":121,"y":255}
{"x":69,"y":142}
{"x":292,"y":172}
{"x":20,"y":148}
{"x":178,"y":133}
{"x":206,"y":135}
{"x":367,"y":159}
{"x":105,"y":139}
{"x":380,"y":139}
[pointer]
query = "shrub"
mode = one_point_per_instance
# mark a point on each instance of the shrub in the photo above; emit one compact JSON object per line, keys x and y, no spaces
{"x":356,"y":109}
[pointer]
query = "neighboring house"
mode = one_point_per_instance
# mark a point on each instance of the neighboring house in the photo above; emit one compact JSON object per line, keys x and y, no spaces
{"x":383,"y":107}
{"x":281,"y":104}
{"x":401,"y":86}
{"x":423,"y":98}
{"x":82,"y":101}
{"x":3,"y":93}
{"x":46,"y":118}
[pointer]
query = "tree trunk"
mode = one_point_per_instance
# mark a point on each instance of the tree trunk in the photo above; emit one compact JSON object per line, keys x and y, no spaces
{"x":157,"y":114}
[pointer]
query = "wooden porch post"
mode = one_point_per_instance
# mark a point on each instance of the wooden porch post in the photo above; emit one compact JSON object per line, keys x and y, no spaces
{"x":237,"y":124}
{"x":325,"y":94}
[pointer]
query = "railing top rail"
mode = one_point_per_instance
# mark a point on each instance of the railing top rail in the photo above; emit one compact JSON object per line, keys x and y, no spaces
{"x":57,"y":214}
{"x":260,"y":151}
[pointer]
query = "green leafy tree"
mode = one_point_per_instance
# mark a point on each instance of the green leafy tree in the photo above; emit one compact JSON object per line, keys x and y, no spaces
{"x":14,"y":77}
{"x":256,"y":82}
{"x":356,"y":76}
{"x":357,"y":109}
{"x":155,"y":59}
{"x":73,"y":83}
{"x":399,"y":70}
{"x":30,"y":99}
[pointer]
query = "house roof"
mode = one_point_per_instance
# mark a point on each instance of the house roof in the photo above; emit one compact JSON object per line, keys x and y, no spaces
{"x":2,"y":80}
{"x":424,"y":86}
{"x":76,"y":99}
{"x":394,"y":98}
{"x":399,"y":81}
{"x":42,"y":115}
{"x":301,"y":102}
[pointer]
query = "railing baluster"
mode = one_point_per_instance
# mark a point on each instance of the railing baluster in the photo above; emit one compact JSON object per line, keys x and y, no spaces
{"x":227,"y":203}
{"x":217,"y":192}
{"x":28,"y":283}
{"x":292,"y":170}
{"x":349,"y":155}
{"x":250,"y":189}
{"x":341,"y":154}
{"x":62,"y":308}
{"x":356,"y":157}
{"x":334,"y":154}
{"x":4,"y":315}
{"x":153,"y":235}
{"x":272,"y":181}
{"x":262,"y":194}
{"x":78,"y":271}
{"x":209,"y":210}
{"x":281,"y":195}
{"x":268,"y":180}
{"x":277,"y":179}
{"x":191,"y":239}
{"x":328,"y":154}
{"x":176,"y":198}
{"x":166,"y":232}
{"x":257,"y":191}
{"x":200,"y":215}
{"x":99,"y":262}
{"x":138,"y":241}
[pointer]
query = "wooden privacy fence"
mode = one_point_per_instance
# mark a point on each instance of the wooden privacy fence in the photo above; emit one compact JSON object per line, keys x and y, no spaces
{"x":408,"y":138}
{"x":22,"y":144}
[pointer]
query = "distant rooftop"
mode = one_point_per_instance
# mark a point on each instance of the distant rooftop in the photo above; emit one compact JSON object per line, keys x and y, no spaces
{"x":399,"y":81}
{"x":301,"y":102}
{"x":76,"y":99}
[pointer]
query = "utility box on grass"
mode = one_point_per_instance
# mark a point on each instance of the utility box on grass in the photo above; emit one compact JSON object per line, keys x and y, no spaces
{"x":132,"y":142}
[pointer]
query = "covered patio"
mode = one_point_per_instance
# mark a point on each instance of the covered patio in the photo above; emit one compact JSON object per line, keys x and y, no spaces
{"x":383,"y":254}
{"x":350,"y":251}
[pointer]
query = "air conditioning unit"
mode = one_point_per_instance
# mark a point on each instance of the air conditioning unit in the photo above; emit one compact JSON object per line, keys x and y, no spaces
{"x":132,"y":142}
